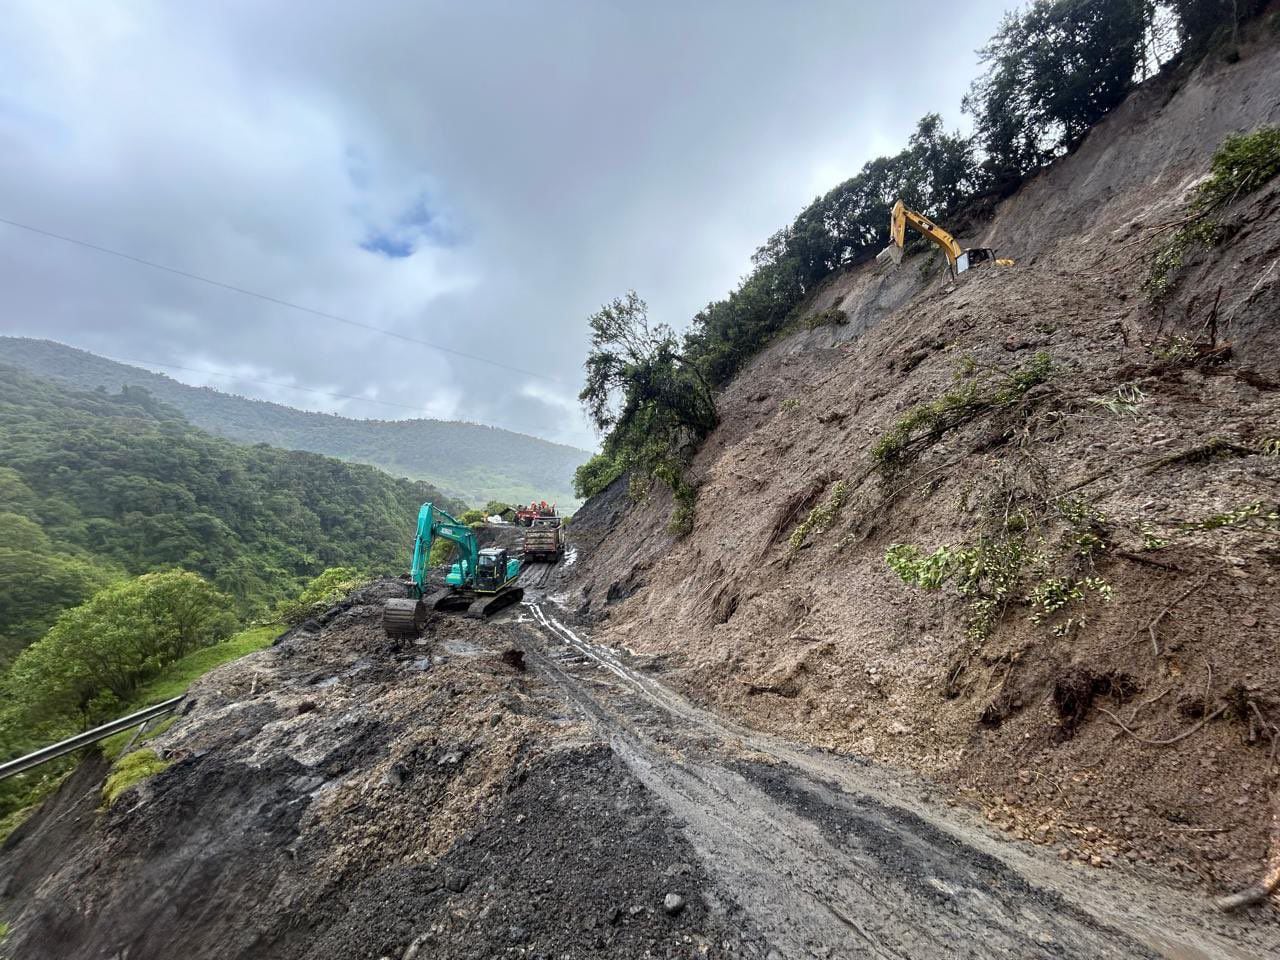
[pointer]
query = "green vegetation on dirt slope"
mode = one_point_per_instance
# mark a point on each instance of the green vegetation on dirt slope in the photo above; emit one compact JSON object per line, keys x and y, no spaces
{"x":467,"y":461}
{"x":98,"y":486}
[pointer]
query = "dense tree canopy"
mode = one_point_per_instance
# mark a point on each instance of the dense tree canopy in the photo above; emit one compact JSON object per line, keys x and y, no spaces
{"x":97,"y":653}
{"x":1054,"y":70}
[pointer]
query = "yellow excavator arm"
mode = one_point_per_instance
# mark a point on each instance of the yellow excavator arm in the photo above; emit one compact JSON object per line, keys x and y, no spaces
{"x":900,"y":217}
{"x":960,"y":260}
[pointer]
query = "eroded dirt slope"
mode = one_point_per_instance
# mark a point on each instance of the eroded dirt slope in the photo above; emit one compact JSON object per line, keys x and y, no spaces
{"x":1111,"y":450}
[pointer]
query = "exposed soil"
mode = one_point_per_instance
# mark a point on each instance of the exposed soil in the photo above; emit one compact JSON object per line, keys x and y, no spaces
{"x":527,"y":788}
{"x":1140,"y":730}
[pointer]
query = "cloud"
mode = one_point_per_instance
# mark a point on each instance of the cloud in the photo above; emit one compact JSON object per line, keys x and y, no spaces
{"x":480,"y":176}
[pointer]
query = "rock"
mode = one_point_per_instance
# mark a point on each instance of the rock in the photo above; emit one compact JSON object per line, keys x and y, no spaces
{"x":456,"y":880}
{"x":613,"y":915}
{"x":673,"y":903}
{"x":306,"y":706}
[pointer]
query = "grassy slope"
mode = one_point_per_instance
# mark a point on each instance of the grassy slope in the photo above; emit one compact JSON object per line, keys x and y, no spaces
{"x":179,"y":675}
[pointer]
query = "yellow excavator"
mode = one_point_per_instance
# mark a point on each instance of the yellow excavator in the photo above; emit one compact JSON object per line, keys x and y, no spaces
{"x":960,"y":260}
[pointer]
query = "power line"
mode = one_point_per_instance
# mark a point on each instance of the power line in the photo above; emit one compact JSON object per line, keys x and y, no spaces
{"x":266,"y":383}
{"x":270,"y":299}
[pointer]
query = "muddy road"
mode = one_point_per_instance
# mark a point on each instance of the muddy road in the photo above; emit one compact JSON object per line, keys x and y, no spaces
{"x":832,"y":857}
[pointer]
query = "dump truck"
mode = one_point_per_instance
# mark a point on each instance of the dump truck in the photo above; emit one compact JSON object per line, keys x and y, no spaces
{"x":545,"y":540}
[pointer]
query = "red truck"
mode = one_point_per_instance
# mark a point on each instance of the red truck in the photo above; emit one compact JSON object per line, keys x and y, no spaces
{"x":525,"y":516}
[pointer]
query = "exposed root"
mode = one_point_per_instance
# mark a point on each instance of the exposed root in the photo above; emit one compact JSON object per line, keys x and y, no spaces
{"x":1270,"y":882}
{"x":1075,"y":690}
{"x":1155,"y":621}
{"x":1163,"y":743}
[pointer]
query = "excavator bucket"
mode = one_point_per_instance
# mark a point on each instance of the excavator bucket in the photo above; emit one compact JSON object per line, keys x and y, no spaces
{"x":890,"y":254}
{"x":404,"y":618}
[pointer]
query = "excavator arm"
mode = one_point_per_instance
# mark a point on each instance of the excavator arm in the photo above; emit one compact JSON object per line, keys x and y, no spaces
{"x":901,"y":217}
{"x":434,"y":523}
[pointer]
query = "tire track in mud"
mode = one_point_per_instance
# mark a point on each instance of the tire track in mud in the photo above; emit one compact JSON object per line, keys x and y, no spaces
{"x":832,"y":858}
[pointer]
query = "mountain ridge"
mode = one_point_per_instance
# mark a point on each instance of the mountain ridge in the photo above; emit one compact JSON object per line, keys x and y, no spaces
{"x":473,"y":462}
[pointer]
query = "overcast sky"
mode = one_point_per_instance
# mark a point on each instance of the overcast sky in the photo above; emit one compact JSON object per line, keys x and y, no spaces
{"x":475,"y":175}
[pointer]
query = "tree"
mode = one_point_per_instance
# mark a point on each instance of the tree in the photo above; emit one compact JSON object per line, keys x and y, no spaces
{"x":1054,"y":70}
{"x":640,"y":389}
{"x":95,"y":655}
{"x":1200,"y":21}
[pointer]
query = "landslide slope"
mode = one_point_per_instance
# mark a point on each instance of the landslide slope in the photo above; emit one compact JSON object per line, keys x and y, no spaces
{"x":1084,"y":445}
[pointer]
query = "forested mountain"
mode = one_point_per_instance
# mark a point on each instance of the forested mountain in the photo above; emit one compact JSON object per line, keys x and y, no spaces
{"x":96,"y":485}
{"x":466,"y":460}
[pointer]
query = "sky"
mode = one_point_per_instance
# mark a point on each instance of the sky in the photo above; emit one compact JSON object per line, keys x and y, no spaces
{"x":475,"y":176}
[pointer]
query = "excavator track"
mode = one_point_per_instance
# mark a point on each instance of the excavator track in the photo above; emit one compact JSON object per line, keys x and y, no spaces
{"x":487,"y":606}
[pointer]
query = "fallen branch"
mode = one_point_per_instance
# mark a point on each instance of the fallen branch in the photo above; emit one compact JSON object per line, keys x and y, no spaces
{"x":1205,"y":451}
{"x":1148,"y":561}
{"x":1163,"y":743}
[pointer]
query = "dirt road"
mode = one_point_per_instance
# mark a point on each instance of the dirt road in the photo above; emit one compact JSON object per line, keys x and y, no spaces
{"x":836,"y":858}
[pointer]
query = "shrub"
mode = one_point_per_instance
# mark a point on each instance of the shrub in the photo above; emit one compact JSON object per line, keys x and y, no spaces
{"x":319,"y":594}
{"x":596,"y":474}
{"x":1243,"y":163}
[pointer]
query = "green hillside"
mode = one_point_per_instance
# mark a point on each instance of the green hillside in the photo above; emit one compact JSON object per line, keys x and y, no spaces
{"x":95,"y":486}
{"x":466,"y":460}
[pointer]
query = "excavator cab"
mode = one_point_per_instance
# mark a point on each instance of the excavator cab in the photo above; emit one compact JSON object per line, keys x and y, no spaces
{"x":491,"y":568}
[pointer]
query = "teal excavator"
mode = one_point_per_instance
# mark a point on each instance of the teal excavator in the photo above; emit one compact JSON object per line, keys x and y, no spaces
{"x":481,"y":582}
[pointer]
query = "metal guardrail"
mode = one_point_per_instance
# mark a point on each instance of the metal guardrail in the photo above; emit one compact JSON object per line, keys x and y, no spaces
{"x":63,"y":747}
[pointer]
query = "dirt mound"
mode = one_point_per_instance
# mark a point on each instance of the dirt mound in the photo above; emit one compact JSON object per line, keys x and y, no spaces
{"x":1082,"y":489}
{"x":580,"y":858}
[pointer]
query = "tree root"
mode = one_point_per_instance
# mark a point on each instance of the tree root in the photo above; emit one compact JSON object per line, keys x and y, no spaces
{"x":1155,"y":621}
{"x":1270,"y":882}
{"x":1163,"y":743}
